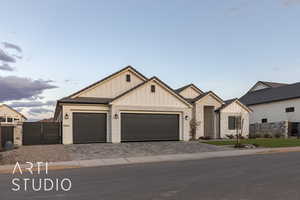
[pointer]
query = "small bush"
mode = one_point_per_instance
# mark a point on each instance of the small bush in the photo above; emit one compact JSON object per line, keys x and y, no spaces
{"x":257,"y":136}
{"x":277,"y":135}
{"x":230,"y":136}
{"x":204,"y":138}
{"x":267,"y":135}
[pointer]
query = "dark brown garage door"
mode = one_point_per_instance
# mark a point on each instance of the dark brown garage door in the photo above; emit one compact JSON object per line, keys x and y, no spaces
{"x":89,"y":127}
{"x":149,"y":127}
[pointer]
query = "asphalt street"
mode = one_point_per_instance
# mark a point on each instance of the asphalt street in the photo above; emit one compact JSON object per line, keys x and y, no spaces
{"x":255,"y":177}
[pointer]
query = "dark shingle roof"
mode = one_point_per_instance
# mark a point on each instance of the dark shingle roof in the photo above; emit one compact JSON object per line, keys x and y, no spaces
{"x":268,"y":95}
{"x":88,"y":100}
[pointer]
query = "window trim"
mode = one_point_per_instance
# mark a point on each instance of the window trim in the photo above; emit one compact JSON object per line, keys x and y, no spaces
{"x":153,"y":88}
{"x":128,"y":78}
{"x":237,"y":122}
{"x":290,"y":109}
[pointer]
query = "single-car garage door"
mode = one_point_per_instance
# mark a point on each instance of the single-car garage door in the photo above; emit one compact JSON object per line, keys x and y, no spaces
{"x":89,"y":127}
{"x":149,"y":127}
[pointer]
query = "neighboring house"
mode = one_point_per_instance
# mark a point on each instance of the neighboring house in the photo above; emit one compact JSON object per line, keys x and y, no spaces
{"x":127,"y":106}
{"x":9,"y":115}
{"x":11,"y":124}
{"x":273,"y":102}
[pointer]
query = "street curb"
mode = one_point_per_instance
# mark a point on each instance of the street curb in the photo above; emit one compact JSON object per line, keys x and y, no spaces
{"x":138,"y":160}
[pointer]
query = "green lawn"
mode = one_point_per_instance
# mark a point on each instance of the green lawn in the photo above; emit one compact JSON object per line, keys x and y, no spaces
{"x":261,"y":142}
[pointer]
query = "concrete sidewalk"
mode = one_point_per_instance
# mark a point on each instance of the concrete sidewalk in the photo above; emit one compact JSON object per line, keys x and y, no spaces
{"x":151,"y":159}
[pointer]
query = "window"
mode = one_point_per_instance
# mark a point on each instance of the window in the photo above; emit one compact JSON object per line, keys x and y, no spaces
{"x":264,"y":120}
{"x":234,"y":122}
{"x":290,"y":109}
{"x":9,"y":119}
{"x":2,"y":119}
{"x":152,"y":88}
{"x":128,"y":78}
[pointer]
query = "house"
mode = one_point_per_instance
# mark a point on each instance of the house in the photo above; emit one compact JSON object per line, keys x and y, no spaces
{"x":11,"y":125}
{"x":214,"y":117}
{"x":127,"y":106}
{"x":273,"y":102}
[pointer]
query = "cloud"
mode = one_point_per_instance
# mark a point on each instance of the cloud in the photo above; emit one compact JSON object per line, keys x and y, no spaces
{"x":28,"y":104}
{"x":17,"y":88}
{"x":6,"y":58}
{"x":6,"y":67}
{"x":37,"y":111}
{"x":12,"y":46}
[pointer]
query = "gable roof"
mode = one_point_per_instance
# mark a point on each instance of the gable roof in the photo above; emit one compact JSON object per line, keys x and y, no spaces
{"x":273,"y":84}
{"x":14,"y":110}
{"x":187,"y":86}
{"x":230,"y":101}
{"x":267,"y":84}
{"x":174,"y":93}
{"x":108,"y":77}
{"x":285,"y":92}
{"x":205,"y":94}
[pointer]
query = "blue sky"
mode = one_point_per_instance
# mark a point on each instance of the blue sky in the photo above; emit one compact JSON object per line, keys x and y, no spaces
{"x":224,"y":46}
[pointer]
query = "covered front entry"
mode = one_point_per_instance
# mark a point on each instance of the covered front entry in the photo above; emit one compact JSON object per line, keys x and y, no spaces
{"x":209,"y":122}
{"x":149,"y":127}
{"x":89,"y":127}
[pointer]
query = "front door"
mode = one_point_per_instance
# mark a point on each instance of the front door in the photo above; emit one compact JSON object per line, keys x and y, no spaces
{"x":209,"y":121}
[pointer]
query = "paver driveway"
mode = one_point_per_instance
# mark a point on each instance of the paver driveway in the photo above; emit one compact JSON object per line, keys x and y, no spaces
{"x":135,"y":149}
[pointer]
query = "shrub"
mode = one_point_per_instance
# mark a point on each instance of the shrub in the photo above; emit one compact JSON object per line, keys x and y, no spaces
{"x":230,"y":136}
{"x":277,"y":135}
{"x":267,"y":135}
{"x":257,"y":136}
{"x":204,"y":138}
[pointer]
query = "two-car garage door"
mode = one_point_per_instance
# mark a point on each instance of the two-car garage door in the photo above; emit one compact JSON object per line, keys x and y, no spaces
{"x":149,"y":127}
{"x":91,"y":127}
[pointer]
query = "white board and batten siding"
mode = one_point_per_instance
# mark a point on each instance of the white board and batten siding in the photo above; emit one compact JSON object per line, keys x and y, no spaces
{"x":113,"y":87}
{"x":234,"y":109}
{"x":189,"y":93}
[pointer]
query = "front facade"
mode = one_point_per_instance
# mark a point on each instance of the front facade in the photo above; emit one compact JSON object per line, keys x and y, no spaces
{"x":273,"y":102}
{"x":127,"y":106}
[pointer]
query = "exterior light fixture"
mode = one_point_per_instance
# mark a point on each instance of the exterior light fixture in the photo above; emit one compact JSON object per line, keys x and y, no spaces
{"x":116,"y":116}
{"x":186,"y":117}
{"x":66,"y":116}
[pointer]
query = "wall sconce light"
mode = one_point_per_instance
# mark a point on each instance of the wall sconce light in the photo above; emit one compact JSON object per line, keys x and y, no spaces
{"x":116,"y":116}
{"x":186,"y":117}
{"x":66,"y":116}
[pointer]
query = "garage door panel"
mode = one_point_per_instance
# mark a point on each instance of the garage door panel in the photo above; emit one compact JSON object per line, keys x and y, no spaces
{"x":89,"y":127}
{"x":149,"y":127}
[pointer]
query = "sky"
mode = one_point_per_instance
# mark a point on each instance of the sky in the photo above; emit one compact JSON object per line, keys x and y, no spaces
{"x":52,"y":48}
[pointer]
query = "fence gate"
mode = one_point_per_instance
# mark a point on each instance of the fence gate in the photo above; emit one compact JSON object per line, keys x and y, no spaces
{"x":41,"y":133}
{"x":7,"y":134}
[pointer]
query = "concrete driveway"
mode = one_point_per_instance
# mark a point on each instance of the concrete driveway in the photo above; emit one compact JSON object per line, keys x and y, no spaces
{"x":136,"y":149}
